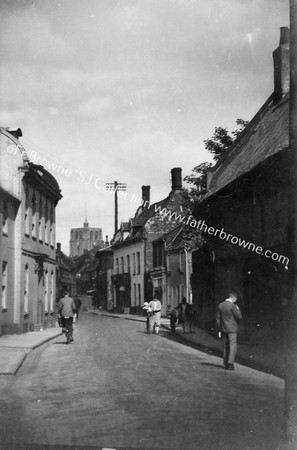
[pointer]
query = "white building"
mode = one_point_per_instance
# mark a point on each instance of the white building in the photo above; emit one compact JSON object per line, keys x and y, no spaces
{"x":28,"y":198}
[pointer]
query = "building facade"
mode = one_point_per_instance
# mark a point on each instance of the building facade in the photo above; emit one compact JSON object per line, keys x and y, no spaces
{"x":248,"y":203}
{"x":65,"y":276}
{"x":28,"y":198}
{"x":135,"y":278}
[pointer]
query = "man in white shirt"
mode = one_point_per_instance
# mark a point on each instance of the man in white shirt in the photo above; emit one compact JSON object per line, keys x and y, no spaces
{"x":155,"y":318}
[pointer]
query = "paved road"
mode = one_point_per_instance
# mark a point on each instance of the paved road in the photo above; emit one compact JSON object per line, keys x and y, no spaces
{"x":116,"y":387}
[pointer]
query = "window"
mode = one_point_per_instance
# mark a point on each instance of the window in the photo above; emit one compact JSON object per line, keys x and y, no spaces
{"x":46,"y":223}
{"x":46,"y":292}
{"x":135,"y":294}
{"x":117,"y":265}
{"x":158,"y":254}
{"x":181,"y":291}
{"x":168,"y":262}
{"x":138,"y":262}
{"x":51,"y":298}
{"x":34,"y":217}
{"x":5,"y":217}
{"x":41,"y":219}
{"x":52,"y":227}
{"x":128,"y":263}
{"x":91,"y":236}
{"x":4,"y":286}
{"x":26,"y":290}
{"x":122,"y":264}
{"x":181,"y":261}
{"x":139,"y":294}
{"x":27,"y":219}
{"x":134,"y":264}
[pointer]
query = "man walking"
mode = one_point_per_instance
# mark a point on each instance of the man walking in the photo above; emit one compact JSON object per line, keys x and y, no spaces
{"x":67,"y":309}
{"x":77,"y":302}
{"x":228,"y":318}
{"x":155,"y":317}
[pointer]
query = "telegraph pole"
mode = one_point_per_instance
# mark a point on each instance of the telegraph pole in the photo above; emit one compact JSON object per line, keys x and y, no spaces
{"x":291,"y":347}
{"x":115,"y":186}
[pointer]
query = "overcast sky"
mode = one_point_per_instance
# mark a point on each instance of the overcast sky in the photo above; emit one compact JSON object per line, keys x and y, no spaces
{"x":125,"y":90}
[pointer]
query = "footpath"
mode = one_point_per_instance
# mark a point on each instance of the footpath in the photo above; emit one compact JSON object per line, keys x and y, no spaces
{"x":15,"y":347}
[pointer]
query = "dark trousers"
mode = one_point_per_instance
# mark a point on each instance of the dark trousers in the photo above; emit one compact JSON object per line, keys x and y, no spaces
{"x":229,"y":347}
{"x":68,"y":323}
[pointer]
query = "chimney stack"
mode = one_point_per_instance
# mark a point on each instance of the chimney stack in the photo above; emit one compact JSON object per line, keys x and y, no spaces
{"x":58,"y":246}
{"x":106,"y":240}
{"x":145,"y":193}
{"x":281,"y":58}
{"x":176,"y":178}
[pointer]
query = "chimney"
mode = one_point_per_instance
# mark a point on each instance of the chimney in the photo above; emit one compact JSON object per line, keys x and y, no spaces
{"x":106,"y":240}
{"x":281,"y":58}
{"x":58,"y":246}
{"x":145,"y":193}
{"x":176,"y":178}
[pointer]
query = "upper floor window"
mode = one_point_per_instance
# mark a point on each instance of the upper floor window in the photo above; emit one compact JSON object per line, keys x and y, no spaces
{"x":122,"y":264}
{"x":4,"y":285}
{"x":181,"y":261}
{"x":134,"y":264}
{"x":27,"y":218}
{"x":158,"y":254}
{"x":34,"y":216}
{"x":41,"y":218}
{"x":52,"y":226}
{"x":138,"y":262}
{"x":26,"y":290}
{"x":128,"y":263}
{"x":5,"y":217}
{"x":46,"y":223}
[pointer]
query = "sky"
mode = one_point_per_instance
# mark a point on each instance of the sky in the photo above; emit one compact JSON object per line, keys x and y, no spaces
{"x":126,"y":90}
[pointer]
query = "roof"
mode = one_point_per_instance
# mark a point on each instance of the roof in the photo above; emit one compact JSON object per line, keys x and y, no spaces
{"x":265,"y":135}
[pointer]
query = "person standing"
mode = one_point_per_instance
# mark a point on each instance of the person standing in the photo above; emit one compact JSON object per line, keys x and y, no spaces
{"x":155,"y":317}
{"x":67,"y":310}
{"x":228,"y":318}
{"x":183,"y":308}
{"x":77,"y":302}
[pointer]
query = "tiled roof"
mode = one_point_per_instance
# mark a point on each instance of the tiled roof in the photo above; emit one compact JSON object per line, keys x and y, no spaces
{"x":266,"y":135}
{"x":125,"y":226}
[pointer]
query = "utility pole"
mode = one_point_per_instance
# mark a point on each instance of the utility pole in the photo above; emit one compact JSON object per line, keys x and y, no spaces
{"x":115,"y":186}
{"x":291,"y":345}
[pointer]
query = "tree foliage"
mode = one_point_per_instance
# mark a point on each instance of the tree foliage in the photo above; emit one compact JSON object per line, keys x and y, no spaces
{"x":217,"y":145}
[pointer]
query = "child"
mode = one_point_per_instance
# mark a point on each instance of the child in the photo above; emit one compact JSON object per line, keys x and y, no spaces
{"x":148,"y":310}
{"x":173,"y":319}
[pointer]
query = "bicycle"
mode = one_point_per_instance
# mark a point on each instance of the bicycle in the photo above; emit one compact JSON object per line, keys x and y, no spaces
{"x":68,"y":329}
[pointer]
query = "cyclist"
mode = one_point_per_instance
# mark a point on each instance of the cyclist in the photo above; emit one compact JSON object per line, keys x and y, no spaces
{"x":67,"y":309}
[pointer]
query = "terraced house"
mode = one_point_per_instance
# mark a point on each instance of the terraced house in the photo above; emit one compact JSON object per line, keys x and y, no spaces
{"x":134,"y":277}
{"x":28,"y":198}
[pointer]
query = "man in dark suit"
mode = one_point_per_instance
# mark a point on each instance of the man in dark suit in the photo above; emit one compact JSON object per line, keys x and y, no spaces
{"x":228,"y":318}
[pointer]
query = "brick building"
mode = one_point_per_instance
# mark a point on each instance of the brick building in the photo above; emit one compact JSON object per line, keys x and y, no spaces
{"x":134,"y":276}
{"x":247,"y":198}
{"x":28,"y":198}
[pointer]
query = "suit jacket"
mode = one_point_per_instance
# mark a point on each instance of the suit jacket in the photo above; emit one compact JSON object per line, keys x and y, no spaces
{"x":228,"y":317}
{"x":67,"y":307}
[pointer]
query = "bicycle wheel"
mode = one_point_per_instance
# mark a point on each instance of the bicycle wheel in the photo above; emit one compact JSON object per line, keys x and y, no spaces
{"x":68,"y":336}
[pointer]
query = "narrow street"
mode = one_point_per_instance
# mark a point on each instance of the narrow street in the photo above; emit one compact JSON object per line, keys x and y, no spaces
{"x":116,"y":387}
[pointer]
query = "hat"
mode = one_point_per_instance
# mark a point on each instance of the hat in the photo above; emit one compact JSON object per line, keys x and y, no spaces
{"x":145,"y":304}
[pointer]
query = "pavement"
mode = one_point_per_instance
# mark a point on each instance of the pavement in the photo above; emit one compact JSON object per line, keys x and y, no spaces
{"x":15,"y":347}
